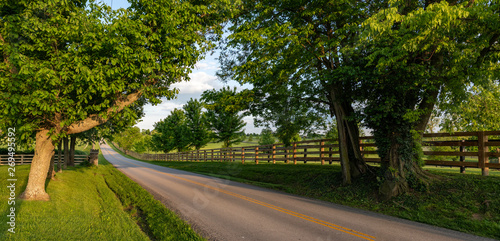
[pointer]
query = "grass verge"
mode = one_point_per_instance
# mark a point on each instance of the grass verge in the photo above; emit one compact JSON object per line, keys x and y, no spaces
{"x":465,"y":202}
{"x":89,"y":203}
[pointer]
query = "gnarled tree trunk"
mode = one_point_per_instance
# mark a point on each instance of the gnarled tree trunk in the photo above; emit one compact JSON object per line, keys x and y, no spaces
{"x":401,"y":166}
{"x":44,"y":150}
{"x":352,"y":163}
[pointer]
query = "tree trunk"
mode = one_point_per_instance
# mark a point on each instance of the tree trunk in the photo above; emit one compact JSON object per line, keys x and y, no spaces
{"x":44,"y":150}
{"x":59,"y":157}
{"x":351,"y":161}
{"x":72,"y":151}
{"x":402,"y":170}
{"x":66,"y":152}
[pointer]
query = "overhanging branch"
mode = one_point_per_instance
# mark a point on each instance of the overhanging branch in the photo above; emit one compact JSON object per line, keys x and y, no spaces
{"x":96,"y":119}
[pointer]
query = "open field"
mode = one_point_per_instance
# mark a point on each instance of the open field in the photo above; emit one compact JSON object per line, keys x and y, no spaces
{"x":464,"y":202}
{"x":89,"y":203}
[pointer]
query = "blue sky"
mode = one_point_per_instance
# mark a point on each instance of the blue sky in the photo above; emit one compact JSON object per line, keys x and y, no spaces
{"x":202,"y":78}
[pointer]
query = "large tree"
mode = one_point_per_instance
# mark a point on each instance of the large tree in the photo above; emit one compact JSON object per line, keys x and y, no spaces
{"x":197,"y":123}
{"x":128,"y":138}
{"x":172,"y":133}
{"x":283,"y":106}
{"x":224,"y":115}
{"x":418,"y":52}
{"x":68,"y":66}
{"x":299,"y":44}
{"x":266,"y":137}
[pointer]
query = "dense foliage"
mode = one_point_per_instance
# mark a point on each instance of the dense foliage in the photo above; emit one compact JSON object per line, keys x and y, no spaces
{"x":224,"y":115}
{"x":385,"y":64}
{"x":68,"y":66}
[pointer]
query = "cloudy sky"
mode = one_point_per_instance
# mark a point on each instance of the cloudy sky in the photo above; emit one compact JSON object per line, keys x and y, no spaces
{"x":202,"y":78}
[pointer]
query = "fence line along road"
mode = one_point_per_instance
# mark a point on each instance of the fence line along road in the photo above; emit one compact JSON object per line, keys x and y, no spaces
{"x":460,"y":149}
{"x":24,"y":159}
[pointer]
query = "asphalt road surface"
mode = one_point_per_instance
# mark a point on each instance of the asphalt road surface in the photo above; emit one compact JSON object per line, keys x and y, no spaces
{"x":219,"y":209}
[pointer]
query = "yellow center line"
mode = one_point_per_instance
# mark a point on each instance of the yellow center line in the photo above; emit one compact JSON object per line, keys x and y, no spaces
{"x":280,"y":209}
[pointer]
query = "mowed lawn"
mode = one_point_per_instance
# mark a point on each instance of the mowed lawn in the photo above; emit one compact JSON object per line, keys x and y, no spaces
{"x":89,"y":203}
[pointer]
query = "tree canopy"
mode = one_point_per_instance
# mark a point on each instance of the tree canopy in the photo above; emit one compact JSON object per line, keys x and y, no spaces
{"x":197,"y":123}
{"x":301,"y":45}
{"x":384,"y":64}
{"x":417,"y":52}
{"x":69,"y":66}
{"x":224,"y":114}
{"x":172,"y":133}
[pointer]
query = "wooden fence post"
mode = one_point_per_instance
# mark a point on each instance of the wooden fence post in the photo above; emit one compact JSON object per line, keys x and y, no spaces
{"x":294,"y":150}
{"x":322,"y":154}
{"x":243,"y":155}
{"x":286,"y":154}
{"x":305,"y":155}
{"x":257,"y":155}
{"x":462,"y":158}
{"x":482,"y":150}
{"x":274,"y":153}
{"x":330,"y":155}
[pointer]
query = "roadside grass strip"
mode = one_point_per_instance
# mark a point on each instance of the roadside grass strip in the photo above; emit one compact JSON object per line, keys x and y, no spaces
{"x":90,"y":203}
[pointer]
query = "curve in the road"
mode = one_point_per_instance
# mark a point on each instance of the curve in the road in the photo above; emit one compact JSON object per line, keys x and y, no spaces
{"x":226,"y":210}
{"x":264,"y":204}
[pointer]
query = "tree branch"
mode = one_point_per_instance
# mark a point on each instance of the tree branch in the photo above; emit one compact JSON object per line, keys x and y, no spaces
{"x":95,"y":119}
{"x":427,"y":105}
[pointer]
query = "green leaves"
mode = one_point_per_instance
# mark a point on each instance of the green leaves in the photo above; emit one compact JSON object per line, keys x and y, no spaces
{"x":172,"y":133}
{"x":75,"y":60}
{"x":197,"y":123}
{"x":223,"y":113}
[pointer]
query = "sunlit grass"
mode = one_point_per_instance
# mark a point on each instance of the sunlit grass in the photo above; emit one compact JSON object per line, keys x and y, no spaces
{"x":90,"y":203}
{"x":82,"y":207}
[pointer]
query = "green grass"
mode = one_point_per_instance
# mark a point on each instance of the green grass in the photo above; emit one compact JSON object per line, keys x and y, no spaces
{"x":468,"y":203}
{"x":89,"y":203}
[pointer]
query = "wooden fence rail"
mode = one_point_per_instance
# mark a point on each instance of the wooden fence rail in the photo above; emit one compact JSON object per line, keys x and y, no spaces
{"x":23,"y":159}
{"x":440,"y":149}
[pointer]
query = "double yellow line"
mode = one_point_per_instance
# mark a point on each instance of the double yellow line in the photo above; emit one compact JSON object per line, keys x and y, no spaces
{"x":280,"y":209}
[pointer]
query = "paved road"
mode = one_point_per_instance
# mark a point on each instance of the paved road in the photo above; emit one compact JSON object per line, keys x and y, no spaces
{"x":224,"y":210}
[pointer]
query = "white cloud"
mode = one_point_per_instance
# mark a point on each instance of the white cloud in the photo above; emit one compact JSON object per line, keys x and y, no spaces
{"x":207,"y":65}
{"x":167,"y":106}
{"x":200,"y":81}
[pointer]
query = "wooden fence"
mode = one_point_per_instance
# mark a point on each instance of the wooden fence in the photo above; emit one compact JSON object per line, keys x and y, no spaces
{"x":469,"y":149}
{"x":23,"y":159}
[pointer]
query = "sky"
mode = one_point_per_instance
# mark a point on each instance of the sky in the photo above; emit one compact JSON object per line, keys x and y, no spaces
{"x":202,"y":78}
